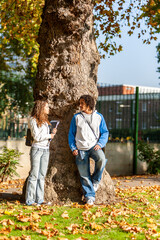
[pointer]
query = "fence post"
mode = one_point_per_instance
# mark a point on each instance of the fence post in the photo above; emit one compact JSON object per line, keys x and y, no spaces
{"x":136,"y":133}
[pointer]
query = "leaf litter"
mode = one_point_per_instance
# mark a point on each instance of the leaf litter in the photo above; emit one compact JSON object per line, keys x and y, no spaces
{"x":137,"y":213}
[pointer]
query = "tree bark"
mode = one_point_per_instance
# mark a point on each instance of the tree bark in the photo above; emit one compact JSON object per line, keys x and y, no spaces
{"x":67,"y":69}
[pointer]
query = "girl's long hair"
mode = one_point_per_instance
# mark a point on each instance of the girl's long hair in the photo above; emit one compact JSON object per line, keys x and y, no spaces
{"x":38,"y":112}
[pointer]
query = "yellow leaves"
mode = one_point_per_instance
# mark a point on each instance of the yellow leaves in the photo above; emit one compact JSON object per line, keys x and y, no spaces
{"x":96,"y":226}
{"x":65,"y":215}
{"x":22,"y":23}
{"x":8,"y":212}
{"x":150,"y":220}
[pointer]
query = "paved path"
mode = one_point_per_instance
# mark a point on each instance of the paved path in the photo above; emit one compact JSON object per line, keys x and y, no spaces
{"x":136,"y":181}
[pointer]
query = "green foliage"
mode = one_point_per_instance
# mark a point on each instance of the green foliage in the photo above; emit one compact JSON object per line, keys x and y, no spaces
{"x":16,"y":93}
{"x":153,"y":135}
{"x":158,"y":56}
{"x":111,"y":16}
{"x":151,"y":157}
{"x":151,"y":14}
{"x":9,"y":160}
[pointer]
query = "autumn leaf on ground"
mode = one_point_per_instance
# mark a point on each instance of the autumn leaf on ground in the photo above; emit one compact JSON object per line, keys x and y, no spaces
{"x":5,"y":230}
{"x":48,"y":225}
{"x":86,"y":215}
{"x":4,"y":238}
{"x":150,"y":220}
{"x":22,"y":228}
{"x":6,"y":222}
{"x":72,"y":226}
{"x":52,"y":233}
{"x":23,"y":218}
{"x":96,"y":226}
{"x":35,"y":216}
{"x":98,"y":214}
{"x":152,"y":226}
{"x":59,"y":238}
{"x":43,"y":212}
{"x":65,"y":215}
{"x":24,"y":237}
{"x":8,"y":212}
{"x":81,"y":238}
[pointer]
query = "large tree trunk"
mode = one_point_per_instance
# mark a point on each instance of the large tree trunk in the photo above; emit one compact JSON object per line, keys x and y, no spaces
{"x":67,"y":69}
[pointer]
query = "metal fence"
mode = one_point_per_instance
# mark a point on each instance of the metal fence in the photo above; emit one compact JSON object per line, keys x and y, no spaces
{"x":13,"y":126}
{"x":117,"y":104}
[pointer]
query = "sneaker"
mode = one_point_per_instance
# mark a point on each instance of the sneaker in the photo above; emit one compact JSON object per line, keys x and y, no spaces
{"x":46,"y":203}
{"x":90,"y":202}
{"x":32,"y":204}
{"x":95,"y":186}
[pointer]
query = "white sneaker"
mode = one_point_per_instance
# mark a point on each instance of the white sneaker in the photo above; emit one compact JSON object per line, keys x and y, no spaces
{"x":95,"y":186}
{"x":45,"y":203}
{"x":90,"y":202}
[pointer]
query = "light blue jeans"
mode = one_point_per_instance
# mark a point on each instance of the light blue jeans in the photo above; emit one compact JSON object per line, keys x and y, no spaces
{"x":35,"y":185}
{"x":83,"y":165}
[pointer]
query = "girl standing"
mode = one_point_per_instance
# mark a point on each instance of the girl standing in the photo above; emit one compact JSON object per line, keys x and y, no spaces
{"x":39,"y":155}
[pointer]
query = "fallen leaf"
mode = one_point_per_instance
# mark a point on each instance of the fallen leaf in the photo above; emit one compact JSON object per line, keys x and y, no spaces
{"x":35,"y":216}
{"x":4,"y":238}
{"x":96,"y":226}
{"x":150,"y":220}
{"x":23,"y":218}
{"x":6,"y":222}
{"x":81,"y":238}
{"x":48,"y":225}
{"x":59,"y":238}
{"x":5,"y":230}
{"x":65,"y":215}
{"x":24,"y":237}
{"x":72,"y":227}
{"x":8,"y":212}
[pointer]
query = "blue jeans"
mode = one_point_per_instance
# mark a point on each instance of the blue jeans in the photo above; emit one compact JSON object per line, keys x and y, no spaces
{"x":35,"y":185}
{"x":83,"y":164}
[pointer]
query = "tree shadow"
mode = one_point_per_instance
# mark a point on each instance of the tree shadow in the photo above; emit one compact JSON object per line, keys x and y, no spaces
{"x":10,"y":197}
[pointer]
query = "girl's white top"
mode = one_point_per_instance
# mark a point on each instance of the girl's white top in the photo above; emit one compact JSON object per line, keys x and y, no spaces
{"x":41,"y":135}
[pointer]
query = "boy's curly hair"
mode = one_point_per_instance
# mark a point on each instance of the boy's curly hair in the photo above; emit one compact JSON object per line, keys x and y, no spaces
{"x":89,"y":101}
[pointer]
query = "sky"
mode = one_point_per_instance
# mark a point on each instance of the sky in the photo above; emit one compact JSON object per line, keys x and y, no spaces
{"x":135,"y":65}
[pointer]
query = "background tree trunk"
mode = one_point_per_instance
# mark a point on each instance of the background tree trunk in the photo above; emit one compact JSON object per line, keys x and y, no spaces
{"x":67,"y":69}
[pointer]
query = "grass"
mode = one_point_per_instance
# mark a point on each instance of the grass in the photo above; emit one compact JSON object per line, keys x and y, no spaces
{"x":136,"y":215}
